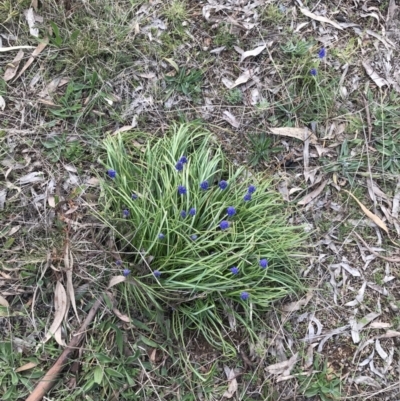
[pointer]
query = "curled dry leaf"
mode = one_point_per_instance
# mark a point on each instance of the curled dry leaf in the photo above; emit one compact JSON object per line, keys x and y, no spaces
{"x":4,"y":302}
{"x":371,"y":215}
{"x":254,"y":52}
{"x":60,"y":307}
{"x":320,"y":18}
{"x":374,"y":76}
{"x":30,"y":19}
{"x":2,"y":103}
{"x":27,"y":366}
{"x":367,"y":381}
{"x":11,"y":70}
{"x":298,"y":133}
{"x":313,"y":195}
{"x":116,"y":280}
{"x":40,"y":47}
{"x":231,"y":119}
{"x":232,"y":383}
{"x":294,"y":306}
{"x":283,"y":367}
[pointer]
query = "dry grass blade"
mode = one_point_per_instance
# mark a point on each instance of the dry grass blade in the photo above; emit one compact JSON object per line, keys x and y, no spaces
{"x":68,"y":262}
{"x":60,"y":307}
{"x":7,"y":49}
{"x":371,"y":215}
{"x":27,"y":366}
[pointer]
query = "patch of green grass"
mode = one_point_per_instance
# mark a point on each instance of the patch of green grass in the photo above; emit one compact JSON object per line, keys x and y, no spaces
{"x":176,"y":12}
{"x":186,"y":82}
{"x":60,"y":147}
{"x":225,"y":37}
{"x":326,"y":384}
{"x":185,"y":261}
{"x":234,"y":96}
{"x":11,"y":9}
{"x":273,"y":14}
{"x":262,"y":148}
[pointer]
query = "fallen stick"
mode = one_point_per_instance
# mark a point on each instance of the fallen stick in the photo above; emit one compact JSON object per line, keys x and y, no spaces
{"x":51,"y":376}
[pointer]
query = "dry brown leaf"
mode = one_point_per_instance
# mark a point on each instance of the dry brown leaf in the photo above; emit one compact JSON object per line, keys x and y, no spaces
{"x":121,"y":316}
{"x":40,"y":47}
{"x":374,"y":76}
{"x":58,"y":337}
{"x":294,"y":306}
{"x":51,"y":200}
{"x":27,"y":366}
{"x":116,"y":280}
{"x":243,"y":78}
{"x":13,"y":67}
{"x":231,"y":119}
{"x":298,"y":133}
{"x":282,"y":367}
{"x":371,"y":215}
{"x":313,"y":195}
{"x":320,"y":18}
{"x":254,"y":52}
{"x":3,"y":302}
{"x":232,"y":383}
{"x":60,"y":307}
{"x":30,"y":19}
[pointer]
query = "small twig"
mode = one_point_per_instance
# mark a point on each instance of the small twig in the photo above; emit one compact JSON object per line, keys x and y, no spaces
{"x":50,"y":377}
{"x":395,"y":260}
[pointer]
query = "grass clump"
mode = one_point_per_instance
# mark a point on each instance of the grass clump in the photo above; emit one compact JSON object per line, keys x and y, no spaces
{"x":205,"y":241}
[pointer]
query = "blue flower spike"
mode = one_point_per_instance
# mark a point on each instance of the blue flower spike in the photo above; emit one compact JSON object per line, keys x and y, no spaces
{"x":134,"y":196}
{"x":183,"y":214}
{"x":183,"y":160}
{"x":231,"y":211}
{"x":204,"y":185}
{"x":247,"y":197}
{"x":182,"y":190}
{"x":112,"y":173}
{"x":118,"y":262}
{"x":157,"y":274}
{"x":223,"y":184}
{"x":234,"y":270}
{"x":244,"y":295}
{"x":125,"y":213}
{"x":193,"y":237}
{"x":251,"y":189}
{"x":126,"y":272}
{"x":322,"y":53}
{"x":313,"y":72}
{"x":179,"y":166}
{"x":224,"y":225}
{"x":263,"y":263}
{"x":161,"y":236}
{"x":192,"y":211}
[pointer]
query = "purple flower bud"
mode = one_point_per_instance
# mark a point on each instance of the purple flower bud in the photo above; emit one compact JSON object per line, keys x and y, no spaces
{"x":224,"y":224}
{"x":182,"y":190}
{"x":204,"y":185}
{"x":111,"y":173}
{"x":234,"y":270}
{"x":223,"y":184}
{"x":157,"y":273}
{"x":263,"y":263}
{"x":244,"y":295}
{"x":231,"y":211}
{"x":126,"y":272}
{"x":192,"y":211}
{"x":247,"y":197}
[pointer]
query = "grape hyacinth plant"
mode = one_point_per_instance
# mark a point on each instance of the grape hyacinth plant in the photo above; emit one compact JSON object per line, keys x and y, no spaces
{"x":210,"y":263}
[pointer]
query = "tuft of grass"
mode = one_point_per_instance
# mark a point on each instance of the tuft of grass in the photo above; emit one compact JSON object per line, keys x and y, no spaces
{"x":326,"y":384}
{"x":182,"y":264}
{"x":176,"y":12}
{"x":262,"y":148}
{"x":234,"y":96}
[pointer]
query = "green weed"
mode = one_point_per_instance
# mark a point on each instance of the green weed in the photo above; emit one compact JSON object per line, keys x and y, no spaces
{"x":60,"y":148}
{"x":262,"y":148}
{"x":234,"y":96}
{"x":188,"y":83}
{"x":224,"y":37}
{"x":325,"y":384}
